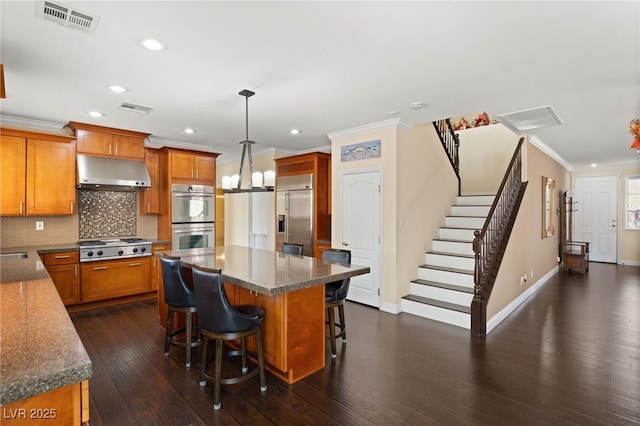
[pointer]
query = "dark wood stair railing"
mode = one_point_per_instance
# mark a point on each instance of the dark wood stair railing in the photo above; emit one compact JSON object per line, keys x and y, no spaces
{"x":450,"y":143}
{"x":490,"y":243}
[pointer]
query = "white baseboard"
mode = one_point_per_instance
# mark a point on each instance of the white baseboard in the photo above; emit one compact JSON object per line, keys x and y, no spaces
{"x":500,"y":316}
{"x":629,"y":262}
{"x":391,"y":308}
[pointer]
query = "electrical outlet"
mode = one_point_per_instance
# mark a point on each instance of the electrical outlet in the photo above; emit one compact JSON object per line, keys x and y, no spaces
{"x":531,"y":274}
{"x":39,"y":225}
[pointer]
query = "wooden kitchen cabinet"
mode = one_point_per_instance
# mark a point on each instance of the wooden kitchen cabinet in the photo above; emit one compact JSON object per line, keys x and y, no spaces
{"x":64,"y":270}
{"x":13,"y":154}
{"x":199,"y":168}
{"x":291,"y":322}
{"x":150,"y":197}
{"x":156,"y":269}
{"x":41,"y":167}
{"x":109,"y":142}
{"x":115,"y":278}
{"x":65,"y":406}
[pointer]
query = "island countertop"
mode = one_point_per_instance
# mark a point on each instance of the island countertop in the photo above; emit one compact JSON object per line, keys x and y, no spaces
{"x":265,"y":271}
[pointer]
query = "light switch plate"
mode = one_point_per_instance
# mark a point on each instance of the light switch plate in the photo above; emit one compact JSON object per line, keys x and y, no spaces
{"x":39,"y":225}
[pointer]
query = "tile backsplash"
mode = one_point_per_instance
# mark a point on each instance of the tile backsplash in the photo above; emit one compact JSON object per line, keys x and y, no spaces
{"x":19,"y":231}
{"x":106,"y":214}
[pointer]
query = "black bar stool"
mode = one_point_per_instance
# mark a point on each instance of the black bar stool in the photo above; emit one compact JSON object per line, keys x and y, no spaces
{"x":221,"y":322}
{"x":179,"y":299}
{"x":335,"y":294}
{"x":292,"y":248}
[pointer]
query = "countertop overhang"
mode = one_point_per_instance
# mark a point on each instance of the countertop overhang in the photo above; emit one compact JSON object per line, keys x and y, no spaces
{"x":265,"y":271}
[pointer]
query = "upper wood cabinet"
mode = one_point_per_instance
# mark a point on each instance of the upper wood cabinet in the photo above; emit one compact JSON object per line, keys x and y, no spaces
{"x":150,"y":197}
{"x":42,"y":170}
{"x":109,"y":142}
{"x":193,"y":167}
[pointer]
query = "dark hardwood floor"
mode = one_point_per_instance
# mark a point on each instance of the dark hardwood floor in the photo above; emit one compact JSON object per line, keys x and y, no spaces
{"x":570,"y":355}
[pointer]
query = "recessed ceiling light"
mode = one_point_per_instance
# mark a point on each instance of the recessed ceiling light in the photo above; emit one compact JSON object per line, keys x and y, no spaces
{"x":295,"y":131}
{"x":189,"y":131}
{"x":593,"y":165}
{"x":153,"y":44}
{"x":96,"y":114}
{"x":117,"y":89}
{"x":416,"y":105}
{"x":394,"y":112}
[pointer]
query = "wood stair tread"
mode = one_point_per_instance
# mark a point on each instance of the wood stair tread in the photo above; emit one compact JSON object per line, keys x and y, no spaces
{"x":447,"y":269}
{"x":438,"y":303}
{"x":451,"y":240}
{"x":452,"y":287}
{"x":445,"y":253}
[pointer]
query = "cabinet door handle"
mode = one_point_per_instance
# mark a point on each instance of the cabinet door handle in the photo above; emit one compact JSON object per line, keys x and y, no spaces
{"x":191,"y":172}
{"x":100,"y":268}
{"x":116,"y":150}
{"x":20,"y":207}
{"x":135,"y":264}
{"x":71,"y":202}
{"x":62,"y":257}
{"x":148,"y":207}
{"x":197,"y":173}
{"x":75,"y":270}
{"x":109,"y":149}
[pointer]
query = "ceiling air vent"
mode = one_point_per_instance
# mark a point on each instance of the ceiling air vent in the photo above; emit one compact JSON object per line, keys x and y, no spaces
{"x":135,"y":108}
{"x":529,"y":119}
{"x":67,"y":16}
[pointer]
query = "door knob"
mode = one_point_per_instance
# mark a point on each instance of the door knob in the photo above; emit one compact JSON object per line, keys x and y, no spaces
{"x":344,"y":243}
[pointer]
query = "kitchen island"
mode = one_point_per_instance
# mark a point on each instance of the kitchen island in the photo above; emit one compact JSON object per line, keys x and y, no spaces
{"x":291,"y":290}
{"x":44,"y":368}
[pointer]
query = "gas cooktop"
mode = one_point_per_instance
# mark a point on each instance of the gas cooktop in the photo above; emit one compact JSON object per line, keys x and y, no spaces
{"x":114,"y":248}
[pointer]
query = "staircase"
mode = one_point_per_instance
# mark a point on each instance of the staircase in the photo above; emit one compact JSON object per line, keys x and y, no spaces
{"x":444,"y":288}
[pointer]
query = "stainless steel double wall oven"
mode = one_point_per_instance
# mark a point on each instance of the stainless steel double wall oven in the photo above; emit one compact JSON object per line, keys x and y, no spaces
{"x":193,"y":210}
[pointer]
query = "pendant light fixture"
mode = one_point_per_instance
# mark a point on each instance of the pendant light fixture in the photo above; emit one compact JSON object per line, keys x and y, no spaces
{"x":259,"y":182}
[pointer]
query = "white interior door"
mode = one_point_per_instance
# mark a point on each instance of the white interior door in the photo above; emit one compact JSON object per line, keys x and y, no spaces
{"x":361,"y":232}
{"x":595,"y":220}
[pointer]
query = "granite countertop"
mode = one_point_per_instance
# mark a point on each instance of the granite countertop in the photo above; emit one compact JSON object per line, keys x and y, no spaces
{"x":265,"y":271}
{"x":40,"y":349}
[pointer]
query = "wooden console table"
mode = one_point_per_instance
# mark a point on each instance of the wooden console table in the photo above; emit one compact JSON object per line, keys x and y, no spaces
{"x":575,"y":254}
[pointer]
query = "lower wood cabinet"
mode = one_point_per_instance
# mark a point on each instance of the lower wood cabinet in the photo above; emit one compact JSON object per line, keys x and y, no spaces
{"x":293,"y":329}
{"x":65,"y":406}
{"x":156,"y":268}
{"x":64,"y":270}
{"x":115,"y":278}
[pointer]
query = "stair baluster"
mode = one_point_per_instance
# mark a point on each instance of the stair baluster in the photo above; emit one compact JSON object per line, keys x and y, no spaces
{"x":451,"y":145}
{"x":490,"y":243}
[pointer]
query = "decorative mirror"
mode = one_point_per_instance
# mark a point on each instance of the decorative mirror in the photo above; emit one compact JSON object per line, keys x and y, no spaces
{"x":548,"y":207}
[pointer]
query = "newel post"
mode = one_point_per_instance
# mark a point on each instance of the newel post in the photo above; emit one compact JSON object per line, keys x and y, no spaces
{"x":478,"y":305}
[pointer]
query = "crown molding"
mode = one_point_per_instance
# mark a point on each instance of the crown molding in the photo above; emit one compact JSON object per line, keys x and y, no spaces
{"x":537,"y":142}
{"x":155,"y":142}
{"x":31,"y":123}
{"x":392,"y":123}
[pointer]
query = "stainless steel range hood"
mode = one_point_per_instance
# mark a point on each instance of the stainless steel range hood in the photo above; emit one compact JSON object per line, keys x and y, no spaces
{"x":111,"y":173}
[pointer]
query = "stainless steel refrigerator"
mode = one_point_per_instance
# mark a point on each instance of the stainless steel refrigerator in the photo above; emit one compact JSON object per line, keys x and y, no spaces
{"x":294,"y":211}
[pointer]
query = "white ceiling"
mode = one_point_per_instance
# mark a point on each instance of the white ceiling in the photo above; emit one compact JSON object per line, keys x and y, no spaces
{"x":323,"y":67}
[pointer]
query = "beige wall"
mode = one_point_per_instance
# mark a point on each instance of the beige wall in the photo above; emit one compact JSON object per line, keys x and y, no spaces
{"x":427,"y":188}
{"x":386,"y":163}
{"x":527,"y":252}
{"x":628,"y":241}
{"x":418,"y":188}
{"x":485,"y":153}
